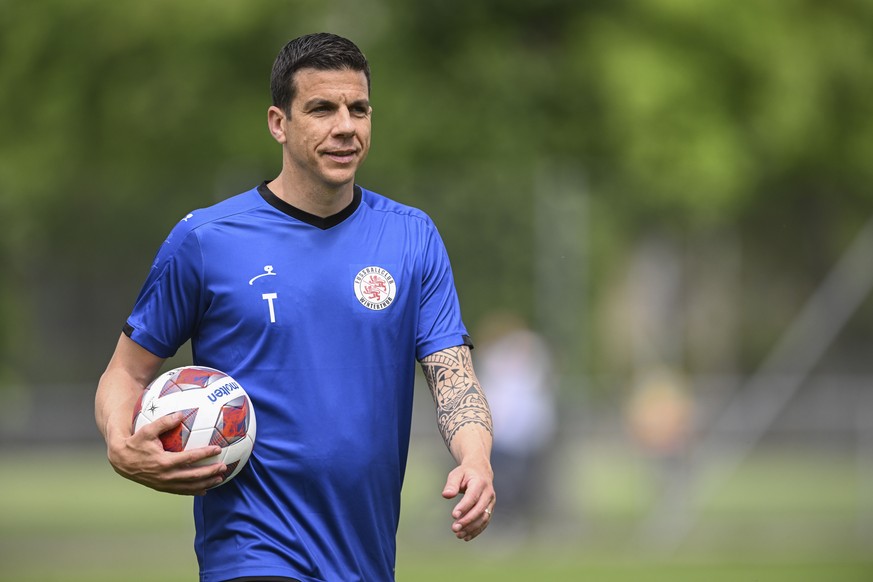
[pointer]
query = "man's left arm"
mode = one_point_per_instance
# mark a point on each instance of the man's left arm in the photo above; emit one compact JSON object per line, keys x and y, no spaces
{"x":464,"y":420}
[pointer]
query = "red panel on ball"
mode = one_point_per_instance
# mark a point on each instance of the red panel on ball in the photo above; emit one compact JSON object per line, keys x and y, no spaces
{"x":175,"y":439}
{"x":194,"y":377}
{"x":234,"y":419}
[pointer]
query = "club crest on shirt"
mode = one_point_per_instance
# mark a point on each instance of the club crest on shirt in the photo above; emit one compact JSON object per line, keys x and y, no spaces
{"x":375,"y":288}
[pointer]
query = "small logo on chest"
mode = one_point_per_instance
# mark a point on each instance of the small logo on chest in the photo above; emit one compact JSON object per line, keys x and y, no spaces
{"x":268,"y":273}
{"x":375,"y":288}
{"x":270,"y":298}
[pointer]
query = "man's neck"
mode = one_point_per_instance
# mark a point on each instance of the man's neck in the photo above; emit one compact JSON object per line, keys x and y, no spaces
{"x":323,"y":202}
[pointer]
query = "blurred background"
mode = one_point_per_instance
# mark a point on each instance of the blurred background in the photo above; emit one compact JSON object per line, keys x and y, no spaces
{"x":660,"y":217}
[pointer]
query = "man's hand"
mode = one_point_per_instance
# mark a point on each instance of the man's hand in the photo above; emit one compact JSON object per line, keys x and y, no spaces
{"x":141,"y":457}
{"x":473,"y":512}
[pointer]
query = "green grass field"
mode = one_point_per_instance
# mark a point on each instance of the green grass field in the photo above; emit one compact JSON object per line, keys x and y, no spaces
{"x":794,"y":518}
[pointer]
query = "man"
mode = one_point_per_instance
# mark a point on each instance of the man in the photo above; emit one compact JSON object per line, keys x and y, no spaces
{"x":318,"y":296}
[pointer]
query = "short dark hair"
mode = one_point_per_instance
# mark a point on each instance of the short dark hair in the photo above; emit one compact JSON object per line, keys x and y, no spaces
{"x":323,"y":51}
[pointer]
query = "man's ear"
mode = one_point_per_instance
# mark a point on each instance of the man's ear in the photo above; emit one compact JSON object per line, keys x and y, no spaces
{"x":276,"y":123}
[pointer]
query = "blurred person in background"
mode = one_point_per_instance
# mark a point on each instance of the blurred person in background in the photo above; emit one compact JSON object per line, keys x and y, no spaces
{"x":516,"y":364}
{"x":660,"y":419}
{"x":318,"y":296}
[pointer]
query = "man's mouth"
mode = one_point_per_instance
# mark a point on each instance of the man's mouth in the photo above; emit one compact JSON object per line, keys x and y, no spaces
{"x":341,"y":156}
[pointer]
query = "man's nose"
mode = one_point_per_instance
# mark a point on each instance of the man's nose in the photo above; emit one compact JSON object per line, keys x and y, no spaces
{"x":344,"y":124}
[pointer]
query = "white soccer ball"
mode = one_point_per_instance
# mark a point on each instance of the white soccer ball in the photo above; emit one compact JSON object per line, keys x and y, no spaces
{"x":216,"y":408}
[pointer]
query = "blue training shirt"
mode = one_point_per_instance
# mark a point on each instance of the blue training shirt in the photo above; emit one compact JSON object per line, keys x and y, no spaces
{"x":321,"y":320}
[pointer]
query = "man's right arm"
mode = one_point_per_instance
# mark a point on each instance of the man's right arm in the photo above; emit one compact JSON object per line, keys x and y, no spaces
{"x":141,"y":457}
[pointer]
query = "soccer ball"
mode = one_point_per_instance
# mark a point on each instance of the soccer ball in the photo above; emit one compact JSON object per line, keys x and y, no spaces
{"x":217,"y":411}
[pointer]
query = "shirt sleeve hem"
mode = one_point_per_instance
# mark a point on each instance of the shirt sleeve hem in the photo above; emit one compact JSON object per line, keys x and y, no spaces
{"x":147,"y":341}
{"x":435,"y":345}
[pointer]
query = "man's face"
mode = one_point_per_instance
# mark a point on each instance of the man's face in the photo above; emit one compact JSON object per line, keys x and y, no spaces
{"x":327,"y":135}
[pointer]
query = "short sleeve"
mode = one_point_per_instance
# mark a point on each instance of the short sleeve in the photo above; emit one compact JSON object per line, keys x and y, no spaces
{"x":440,"y":324}
{"x":169,"y":305}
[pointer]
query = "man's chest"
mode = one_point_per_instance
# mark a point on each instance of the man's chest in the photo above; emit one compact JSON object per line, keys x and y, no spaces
{"x":299,"y":281}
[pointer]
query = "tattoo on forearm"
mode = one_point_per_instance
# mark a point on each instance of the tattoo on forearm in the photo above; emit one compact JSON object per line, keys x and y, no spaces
{"x":456,"y":392}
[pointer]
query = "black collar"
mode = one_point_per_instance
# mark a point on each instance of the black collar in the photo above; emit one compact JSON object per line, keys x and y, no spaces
{"x":303,"y":216}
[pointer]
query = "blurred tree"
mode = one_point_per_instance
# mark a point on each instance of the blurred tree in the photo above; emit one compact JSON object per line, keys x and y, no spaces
{"x":685,"y":116}
{"x":688,"y":116}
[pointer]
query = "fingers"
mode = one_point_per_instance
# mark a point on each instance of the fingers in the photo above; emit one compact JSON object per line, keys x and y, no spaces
{"x":150,"y":435}
{"x":469,"y":524}
{"x":161,"y":425}
{"x":188,"y":480}
{"x":472,"y":514}
{"x":142,"y":459}
{"x":182,"y":473}
{"x":453,"y":484}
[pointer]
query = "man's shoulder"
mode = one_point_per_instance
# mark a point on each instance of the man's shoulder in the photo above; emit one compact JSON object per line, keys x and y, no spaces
{"x":229,"y":207}
{"x":203,"y":218}
{"x":380,"y":203}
